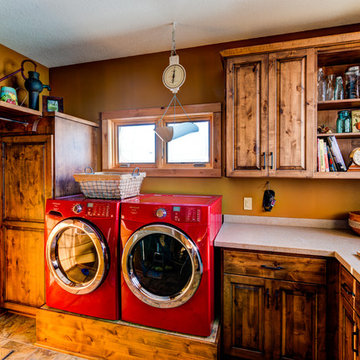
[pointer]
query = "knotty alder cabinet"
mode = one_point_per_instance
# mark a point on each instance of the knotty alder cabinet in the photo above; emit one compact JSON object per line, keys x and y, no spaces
{"x":38,"y":160}
{"x":274,"y":306}
{"x":270,"y":114}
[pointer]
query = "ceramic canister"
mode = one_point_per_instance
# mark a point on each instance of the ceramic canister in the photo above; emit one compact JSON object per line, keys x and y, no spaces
{"x":8,"y":94}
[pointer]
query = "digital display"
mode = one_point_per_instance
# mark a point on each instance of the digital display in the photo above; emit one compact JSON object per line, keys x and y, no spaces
{"x":176,"y":208}
{"x":90,"y":205}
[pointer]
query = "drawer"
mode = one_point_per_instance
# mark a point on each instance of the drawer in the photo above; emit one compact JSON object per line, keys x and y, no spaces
{"x":281,"y":267}
{"x":347,"y":286}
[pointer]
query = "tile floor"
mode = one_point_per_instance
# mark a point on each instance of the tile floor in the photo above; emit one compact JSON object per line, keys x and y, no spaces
{"x":17,"y":338}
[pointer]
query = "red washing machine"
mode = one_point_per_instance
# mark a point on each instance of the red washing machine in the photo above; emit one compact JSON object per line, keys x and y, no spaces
{"x":81,"y":251}
{"x":167,"y":263}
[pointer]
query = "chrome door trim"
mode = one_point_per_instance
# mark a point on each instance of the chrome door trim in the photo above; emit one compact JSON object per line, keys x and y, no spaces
{"x":101,"y":251}
{"x":133,"y":283}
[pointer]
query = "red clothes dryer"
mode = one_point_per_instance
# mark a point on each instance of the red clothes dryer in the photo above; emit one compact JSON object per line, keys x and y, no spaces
{"x":81,"y":251}
{"x":167,"y":263}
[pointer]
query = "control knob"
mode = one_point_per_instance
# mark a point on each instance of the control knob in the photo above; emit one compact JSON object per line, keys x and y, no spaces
{"x":160,"y":213}
{"x":77,"y":209}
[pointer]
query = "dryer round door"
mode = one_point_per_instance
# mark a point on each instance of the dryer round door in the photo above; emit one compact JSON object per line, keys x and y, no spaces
{"x":77,"y":256}
{"x":161,"y":266}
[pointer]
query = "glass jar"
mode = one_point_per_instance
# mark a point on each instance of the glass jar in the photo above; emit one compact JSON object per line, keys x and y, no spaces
{"x":347,"y":121}
{"x":321,"y":85}
{"x":330,"y":87}
{"x":339,"y":89}
{"x":340,"y":122}
{"x":351,"y":85}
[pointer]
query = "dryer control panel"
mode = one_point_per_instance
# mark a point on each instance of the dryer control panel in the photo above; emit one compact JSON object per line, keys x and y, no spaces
{"x":97,"y":210}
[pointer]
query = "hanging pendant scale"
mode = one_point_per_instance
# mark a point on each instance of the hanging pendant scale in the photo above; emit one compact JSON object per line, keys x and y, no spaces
{"x":174,"y":75}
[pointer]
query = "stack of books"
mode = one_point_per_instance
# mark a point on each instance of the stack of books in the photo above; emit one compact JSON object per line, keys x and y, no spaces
{"x":329,"y":155}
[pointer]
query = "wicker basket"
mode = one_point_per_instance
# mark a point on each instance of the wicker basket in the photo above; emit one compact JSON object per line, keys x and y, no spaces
{"x":109,"y":185}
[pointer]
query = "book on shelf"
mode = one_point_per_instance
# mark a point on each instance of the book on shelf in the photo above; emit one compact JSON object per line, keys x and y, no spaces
{"x":335,"y":150}
{"x":329,"y":156}
{"x":332,"y":163}
{"x":323,"y":161}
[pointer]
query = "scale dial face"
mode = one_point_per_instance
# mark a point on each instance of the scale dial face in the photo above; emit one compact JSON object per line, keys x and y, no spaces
{"x":174,"y":76}
{"x":355,"y":156}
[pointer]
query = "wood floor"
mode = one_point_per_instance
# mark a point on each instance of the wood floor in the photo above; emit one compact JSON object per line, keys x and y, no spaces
{"x":17,"y":336}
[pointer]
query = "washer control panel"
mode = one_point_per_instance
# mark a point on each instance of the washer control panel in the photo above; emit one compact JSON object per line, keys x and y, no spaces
{"x":186,"y":214}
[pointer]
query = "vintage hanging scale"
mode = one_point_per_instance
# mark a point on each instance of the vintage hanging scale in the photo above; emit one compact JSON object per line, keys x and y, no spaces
{"x":355,"y":160}
{"x":173,"y":78}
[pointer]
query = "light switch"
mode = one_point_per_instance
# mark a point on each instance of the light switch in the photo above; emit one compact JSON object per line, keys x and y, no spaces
{"x":247,"y":203}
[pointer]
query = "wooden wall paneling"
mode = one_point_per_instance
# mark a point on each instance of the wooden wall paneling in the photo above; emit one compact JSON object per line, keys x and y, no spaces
{"x":27,"y":181}
{"x":246,"y":115}
{"x":75,"y":148}
{"x":119,"y":340}
{"x":291,"y":112}
{"x":24,"y":254}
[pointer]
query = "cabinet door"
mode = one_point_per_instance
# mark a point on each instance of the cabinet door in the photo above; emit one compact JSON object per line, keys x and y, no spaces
{"x":291,"y":112}
{"x":347,"y":330}
{"x":245,"y":316}
{"x":26,"y":180}
{"x":299,"y":314}
{"x":246,"y":116}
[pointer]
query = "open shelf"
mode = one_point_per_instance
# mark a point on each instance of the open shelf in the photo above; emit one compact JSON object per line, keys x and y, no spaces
{"x":10,"y":110}
{"x":339,"y":104}
{"x":340,"y":135}
{"x":337,"y":175}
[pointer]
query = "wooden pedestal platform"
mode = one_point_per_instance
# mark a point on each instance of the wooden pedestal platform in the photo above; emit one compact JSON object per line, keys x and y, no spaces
{"x":102,"y":339}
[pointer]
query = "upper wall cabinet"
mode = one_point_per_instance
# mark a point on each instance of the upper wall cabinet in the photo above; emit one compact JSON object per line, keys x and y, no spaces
{"x":270,"y":114}
{"x":247,"y":116}
{"x":291,"y":112}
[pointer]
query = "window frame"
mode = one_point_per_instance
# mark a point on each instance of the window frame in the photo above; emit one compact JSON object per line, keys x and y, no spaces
{"x":207,"y":112}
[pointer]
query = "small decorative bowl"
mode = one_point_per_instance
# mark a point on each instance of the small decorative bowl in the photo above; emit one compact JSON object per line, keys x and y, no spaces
{"x":354,"y":221}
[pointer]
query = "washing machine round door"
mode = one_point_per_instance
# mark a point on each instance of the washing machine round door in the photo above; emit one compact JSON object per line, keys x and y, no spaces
{"x":77,"y":256}
{"x":161,"y":266}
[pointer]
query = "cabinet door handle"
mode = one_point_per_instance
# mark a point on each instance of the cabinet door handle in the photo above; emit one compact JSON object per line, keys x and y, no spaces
{"x":267,"y":298}
{"x":272,"y":267}
{"x":347,"y":289}
{"x":271,"y":160}
{"x":355,"y":334}
{"x":264,"y":155}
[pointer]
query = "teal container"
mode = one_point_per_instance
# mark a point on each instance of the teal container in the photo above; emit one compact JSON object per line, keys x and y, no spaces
{"x":340,"y":125}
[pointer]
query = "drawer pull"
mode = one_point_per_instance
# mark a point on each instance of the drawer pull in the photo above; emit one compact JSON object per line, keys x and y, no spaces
{"x":354,"y":341}
{"x":346,"y":289}
{"x":272,"y":267}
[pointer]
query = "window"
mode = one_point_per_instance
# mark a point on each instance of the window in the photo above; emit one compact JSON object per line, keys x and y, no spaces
{"x":129,"y":141}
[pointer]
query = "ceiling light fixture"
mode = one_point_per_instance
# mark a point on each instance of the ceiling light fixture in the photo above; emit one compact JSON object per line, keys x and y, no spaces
{"x":173,"y":78}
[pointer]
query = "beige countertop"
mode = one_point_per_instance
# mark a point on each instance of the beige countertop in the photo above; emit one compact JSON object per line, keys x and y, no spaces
{"x":342,"y":244}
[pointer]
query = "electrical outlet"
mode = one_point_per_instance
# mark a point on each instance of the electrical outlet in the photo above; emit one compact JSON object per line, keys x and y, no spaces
{"x":247,"y":203}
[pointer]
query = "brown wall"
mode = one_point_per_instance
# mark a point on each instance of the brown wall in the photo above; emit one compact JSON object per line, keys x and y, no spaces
{"x":135,"y":82}
{"x":11,"y":61}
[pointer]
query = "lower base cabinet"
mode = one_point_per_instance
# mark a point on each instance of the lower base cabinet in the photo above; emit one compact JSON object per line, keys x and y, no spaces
{"x":267,"y":318}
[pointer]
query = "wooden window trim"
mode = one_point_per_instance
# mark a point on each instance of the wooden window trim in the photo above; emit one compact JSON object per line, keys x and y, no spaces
{"x":209,"y":112}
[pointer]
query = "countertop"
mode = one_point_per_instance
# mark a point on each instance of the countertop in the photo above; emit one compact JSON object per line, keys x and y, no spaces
{"x":282,"y":237}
